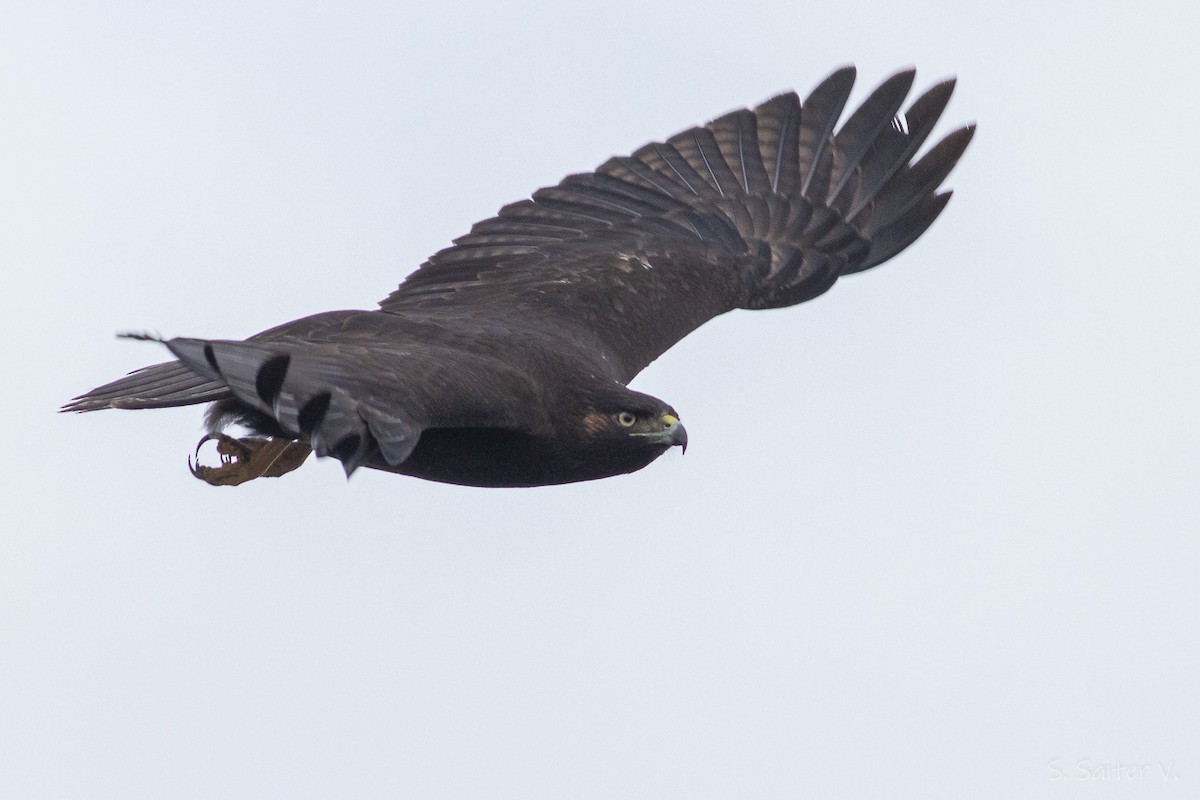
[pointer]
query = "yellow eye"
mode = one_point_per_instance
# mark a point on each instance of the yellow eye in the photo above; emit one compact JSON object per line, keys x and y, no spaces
{"x":626,"y":419}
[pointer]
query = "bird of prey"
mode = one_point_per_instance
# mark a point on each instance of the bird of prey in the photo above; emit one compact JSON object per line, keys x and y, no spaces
{"x":504,"y":360}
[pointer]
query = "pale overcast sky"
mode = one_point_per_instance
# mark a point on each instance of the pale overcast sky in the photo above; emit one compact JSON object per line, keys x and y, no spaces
{"x":936,"y":534}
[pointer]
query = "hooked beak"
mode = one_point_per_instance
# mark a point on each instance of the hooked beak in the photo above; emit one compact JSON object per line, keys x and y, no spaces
{"x":676,"y":432}
{"x":673,"y":432}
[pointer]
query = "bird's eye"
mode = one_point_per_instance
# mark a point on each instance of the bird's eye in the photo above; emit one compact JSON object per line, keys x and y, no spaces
{"x":626,"y":419}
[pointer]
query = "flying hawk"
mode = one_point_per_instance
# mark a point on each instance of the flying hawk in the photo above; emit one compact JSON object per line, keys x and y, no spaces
{"x":504,"y":359}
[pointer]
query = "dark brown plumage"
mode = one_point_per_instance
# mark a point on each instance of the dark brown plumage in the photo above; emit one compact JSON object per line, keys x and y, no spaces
{"x":503,"y":360}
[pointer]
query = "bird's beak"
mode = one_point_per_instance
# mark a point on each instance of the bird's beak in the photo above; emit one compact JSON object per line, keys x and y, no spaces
{"x":671,"y":434}
{"x":675,"y":432}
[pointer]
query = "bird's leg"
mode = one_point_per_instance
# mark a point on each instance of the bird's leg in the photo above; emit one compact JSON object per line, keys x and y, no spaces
{"x":249,"y":458}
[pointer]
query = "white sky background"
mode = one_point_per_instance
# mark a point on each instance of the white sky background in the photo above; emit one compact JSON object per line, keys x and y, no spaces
{"x":936,"y":534}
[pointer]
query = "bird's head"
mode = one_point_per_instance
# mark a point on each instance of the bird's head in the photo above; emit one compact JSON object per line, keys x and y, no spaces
{"x":631,"y":428}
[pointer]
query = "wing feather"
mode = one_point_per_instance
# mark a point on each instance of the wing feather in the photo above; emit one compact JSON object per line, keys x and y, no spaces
{"x":668,"y":162}
{"x":779,"y":134}
{"x":759,"y":208}
{"x":820,"y":112}
{"x":634,"y":172}
{"x":917,"y":182}
{"x":893,"y":148}
{"x":699,"y":148}
{"x":858,"y":134}
{"x":736,"y":135}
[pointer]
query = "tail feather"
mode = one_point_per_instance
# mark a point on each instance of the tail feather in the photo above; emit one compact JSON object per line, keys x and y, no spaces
{"x":302,"y":390}
{"x":158,"y":386}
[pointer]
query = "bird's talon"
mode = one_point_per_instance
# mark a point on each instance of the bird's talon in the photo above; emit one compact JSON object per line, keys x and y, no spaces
{"x":246,"y":459}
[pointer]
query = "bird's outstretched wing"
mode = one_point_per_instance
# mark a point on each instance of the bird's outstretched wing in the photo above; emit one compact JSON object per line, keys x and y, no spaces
{"x":757,"y":209}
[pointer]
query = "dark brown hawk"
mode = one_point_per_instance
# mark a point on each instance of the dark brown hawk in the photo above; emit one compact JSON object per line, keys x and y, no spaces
{"x":504,"y":359}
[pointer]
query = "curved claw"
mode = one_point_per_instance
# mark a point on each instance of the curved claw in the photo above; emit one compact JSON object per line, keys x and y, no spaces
{"x":246,"y":459}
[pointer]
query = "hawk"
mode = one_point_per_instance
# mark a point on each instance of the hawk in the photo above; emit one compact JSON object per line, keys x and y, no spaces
{"x":504,"y":360}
